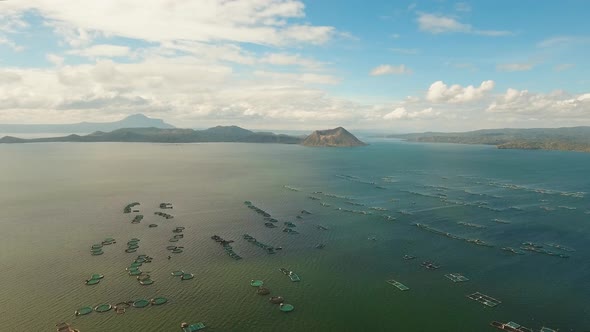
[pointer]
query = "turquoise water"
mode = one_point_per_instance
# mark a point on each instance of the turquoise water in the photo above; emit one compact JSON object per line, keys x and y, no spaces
{"x":59,"y":199}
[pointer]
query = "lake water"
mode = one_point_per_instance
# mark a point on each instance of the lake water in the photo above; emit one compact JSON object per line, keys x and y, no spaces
{"x":58,"y":199}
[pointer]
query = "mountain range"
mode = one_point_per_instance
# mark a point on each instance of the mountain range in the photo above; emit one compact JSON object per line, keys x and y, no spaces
{"x":567,"y":139}
{"x":132,"y":121}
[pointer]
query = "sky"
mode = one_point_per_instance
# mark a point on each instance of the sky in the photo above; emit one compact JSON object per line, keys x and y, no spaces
{"x":396,"y":66}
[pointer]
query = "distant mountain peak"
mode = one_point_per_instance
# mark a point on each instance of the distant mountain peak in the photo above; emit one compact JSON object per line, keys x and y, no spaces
{"x":337,"y":137}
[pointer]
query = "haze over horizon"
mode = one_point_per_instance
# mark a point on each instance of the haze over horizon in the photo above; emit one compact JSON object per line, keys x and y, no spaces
{"x":297,"y":65}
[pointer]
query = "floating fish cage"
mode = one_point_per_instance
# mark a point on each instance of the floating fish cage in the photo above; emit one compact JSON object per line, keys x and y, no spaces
{"x":484,"y":299}
{"x":84,"y":311}
{"x":256,"y":283}
{"x":398,"y":284}
{"x":456,"y":277}
{"x":103,"y":307}
{"x":287,"y":307}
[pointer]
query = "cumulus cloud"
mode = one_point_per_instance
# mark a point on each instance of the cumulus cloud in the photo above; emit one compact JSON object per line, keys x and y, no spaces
{"x":438,"y":24}
{"x":401,"y":113}
{"x":440,"y":92}
{"x":102,"y":50}
{"x":266,"y":22}
{"x":555,"y":105}
{"x":390,"y":70}
{"x":285,"y":59}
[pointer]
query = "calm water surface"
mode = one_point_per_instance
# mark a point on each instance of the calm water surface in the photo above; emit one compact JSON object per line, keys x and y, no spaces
{"x":59,"y":199}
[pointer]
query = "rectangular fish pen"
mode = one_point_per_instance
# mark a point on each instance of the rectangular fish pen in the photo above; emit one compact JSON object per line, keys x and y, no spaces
{"x":398,"y":284}
{"x":456,"y":277}
{"x":484,"y":299}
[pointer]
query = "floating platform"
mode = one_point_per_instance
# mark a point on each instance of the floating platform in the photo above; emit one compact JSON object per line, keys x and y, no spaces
{"x":484,"y":299}
{"x":398,"y":284}
{"x":456,"y":277}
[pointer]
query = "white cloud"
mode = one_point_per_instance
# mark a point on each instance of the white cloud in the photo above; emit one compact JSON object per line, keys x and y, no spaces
{"x":390,"y":70}
{"x":102,"y":50}
{"x":10,"y":44}
{"x":266,"y":22}
{"x":556,"y":105}
{"x":56,"y":60}
{"x":563,"y":67}
{"x":401,"y":113}
{"x":440,"y":92}
{"x":285,"y":59}
{"x":511,"y":67}
{"x":462,"y":7}
{"x":438,"y":24}
{"x":561,"y":41}
{"x":307,"y":78}
{"x":405,"y":51}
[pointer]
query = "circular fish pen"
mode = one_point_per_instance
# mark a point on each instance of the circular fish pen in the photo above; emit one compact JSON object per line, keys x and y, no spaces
{"x":103,"y":307}
{"x":83,"y":311}
{"x":97,"y":246}
{"x":187,"y":276}
{"x":146,"y":282}
{"x":177,"y":251}
{"x":262,"y":291}
{"x":92,"y":281}
{"x":256,"y":283}
{"x":121,"y":307}
{"x":97,"y":253}
{"x":97,"y":276}
{"x":276,"y":300}
{"x":158,"y":300}
{"x":141,"y":303}
{"x":178,"y":273}
{"x":143,"y":277}
{"x":170,"y":247}
{"x":135,"y":272}
{"x":152,"y":225}
{"x":287,"y":307}
{"x":130,"y":250}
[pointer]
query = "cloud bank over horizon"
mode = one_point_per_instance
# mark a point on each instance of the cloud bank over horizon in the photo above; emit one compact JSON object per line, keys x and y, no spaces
{"x":282,"y":64}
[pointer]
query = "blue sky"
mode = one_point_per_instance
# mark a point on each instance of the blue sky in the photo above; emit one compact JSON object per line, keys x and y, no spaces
{"x":387,"y":65}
